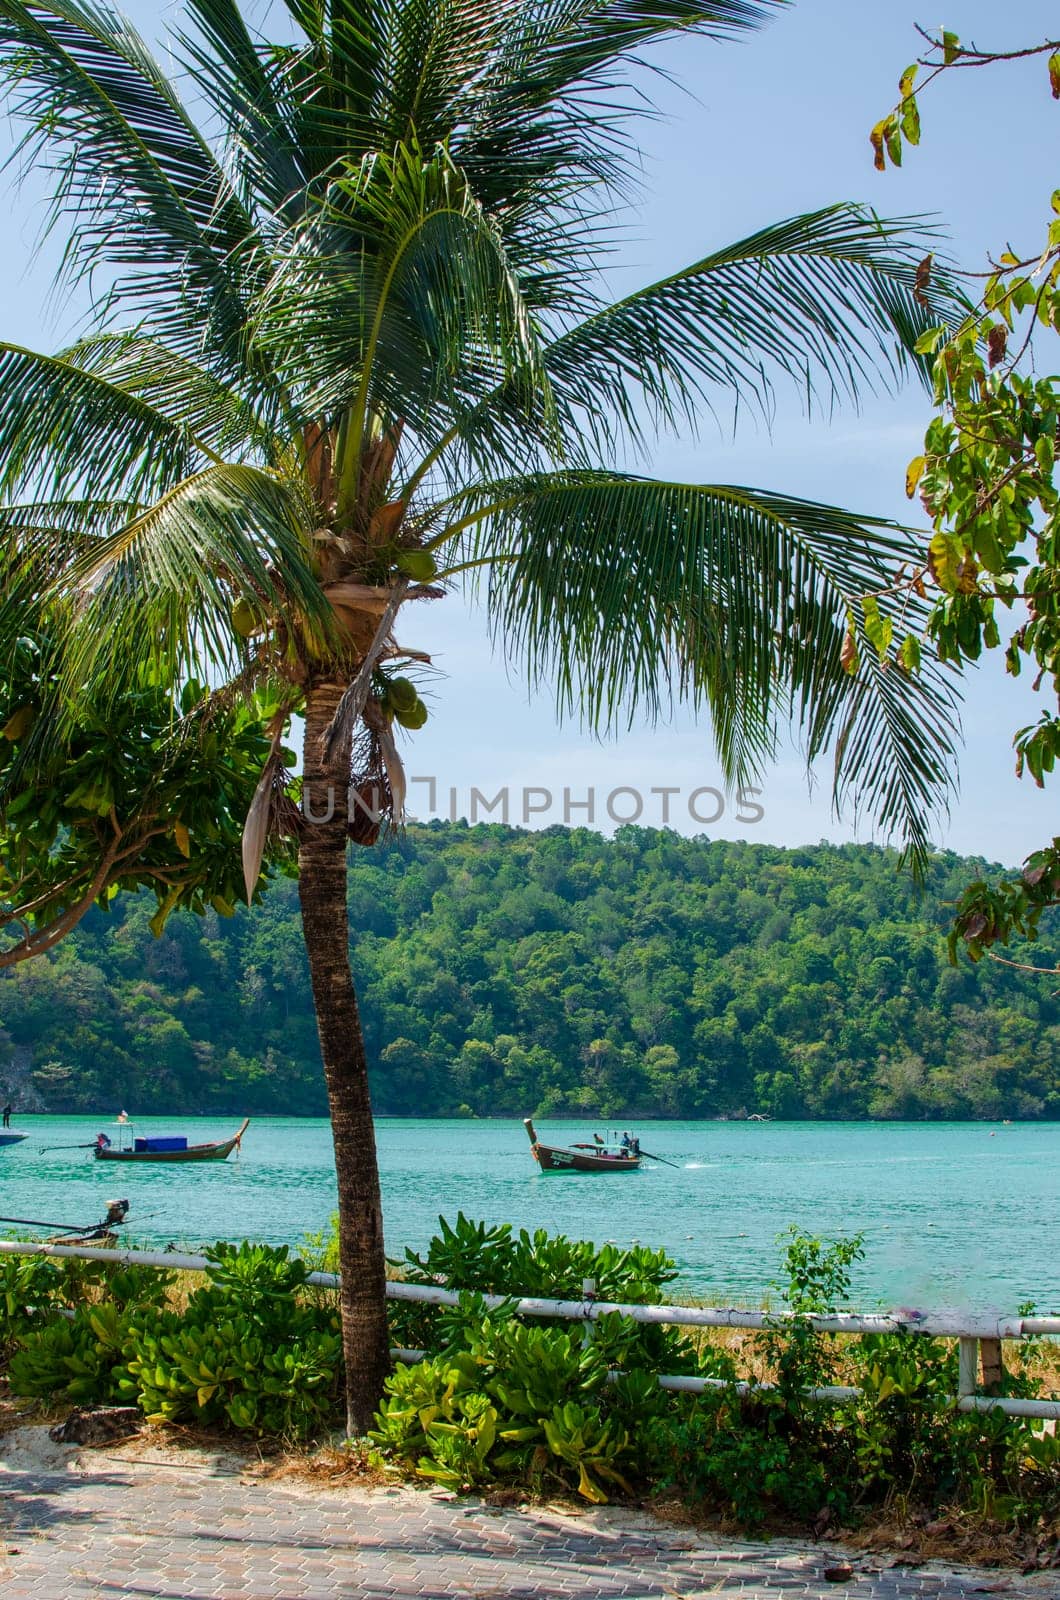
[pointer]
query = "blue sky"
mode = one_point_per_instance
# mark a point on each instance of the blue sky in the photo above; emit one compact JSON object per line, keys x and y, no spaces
{"x":761,"y":129}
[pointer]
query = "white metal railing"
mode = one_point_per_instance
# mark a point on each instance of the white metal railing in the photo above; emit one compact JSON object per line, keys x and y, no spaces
{"x":979,"y":1337}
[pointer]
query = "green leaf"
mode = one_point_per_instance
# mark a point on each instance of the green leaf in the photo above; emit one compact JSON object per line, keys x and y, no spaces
{"x":910,"y":121}
{"x":929,"y":341}
{"x":878,"y":629}
{"x":951,"y":48}
{"x":909,"y":655}
{"x":986,"y":546}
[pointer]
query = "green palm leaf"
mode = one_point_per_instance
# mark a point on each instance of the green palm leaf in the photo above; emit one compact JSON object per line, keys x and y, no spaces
{"x":135,"y":183}
{"x":629,"y":594}
{"x":550,"y":63}
{"x":245,"y":83}
{"x":828,"y":299}
{"x":400,"y":301}
{"x":61,"y":424}
{"x":215,"y":415}
{"x":158,"y":590}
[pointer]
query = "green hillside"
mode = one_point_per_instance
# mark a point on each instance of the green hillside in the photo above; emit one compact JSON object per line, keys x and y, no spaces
{"x":557,"y":973}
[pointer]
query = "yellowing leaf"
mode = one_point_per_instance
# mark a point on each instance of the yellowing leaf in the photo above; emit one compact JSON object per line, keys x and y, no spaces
{"x":943,"y":556}
{"x":182,"y":838}
{"x":913,"y":474}
{"x":909,"y":655}
{"x":1054,"y":75}
{"x":876,"y":139}
{"x":967,"y":575}
{"x":908,"y":78}
{"x":158,"y":921}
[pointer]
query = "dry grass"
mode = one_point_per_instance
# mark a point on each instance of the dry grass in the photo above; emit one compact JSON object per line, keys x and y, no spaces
{"x":1038,"y":1359}
{"x":907,"y":1534}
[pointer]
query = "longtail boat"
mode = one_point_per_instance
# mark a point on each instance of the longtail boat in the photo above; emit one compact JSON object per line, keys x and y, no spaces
{"x":168,"y":1149}
{"x":11,"y":1138}
{"x":596,"y":1157}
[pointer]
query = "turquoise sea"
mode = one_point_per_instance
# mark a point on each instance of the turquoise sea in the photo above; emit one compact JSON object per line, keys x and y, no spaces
{"x":959,"y":1214}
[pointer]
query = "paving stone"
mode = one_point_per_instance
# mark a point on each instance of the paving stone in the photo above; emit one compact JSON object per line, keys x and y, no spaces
{"x":145,"y":1532}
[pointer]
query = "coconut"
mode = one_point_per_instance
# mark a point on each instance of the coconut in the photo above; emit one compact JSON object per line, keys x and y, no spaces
{"x":414,"y":718}
{"x":417,"y":564}
{"x":401,"y":694}
{"x":243,"y":618}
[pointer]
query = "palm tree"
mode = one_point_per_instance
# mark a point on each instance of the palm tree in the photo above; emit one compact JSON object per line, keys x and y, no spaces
{"x":350,"y":347}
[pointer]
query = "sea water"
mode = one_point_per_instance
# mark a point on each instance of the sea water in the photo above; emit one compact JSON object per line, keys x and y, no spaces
{"x":959,"y":1215}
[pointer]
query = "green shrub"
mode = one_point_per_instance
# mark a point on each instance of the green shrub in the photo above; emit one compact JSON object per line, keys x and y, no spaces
{"x":473,"y":1257}
{"x":249,"y":1349}
{"x":246,"y":1350}
{"x":76,"y":1358}
{"x":532,"y":1403}
{"x":544,"y":1403}
{"x":31,"y":1287}
{"x":506,"y":1400}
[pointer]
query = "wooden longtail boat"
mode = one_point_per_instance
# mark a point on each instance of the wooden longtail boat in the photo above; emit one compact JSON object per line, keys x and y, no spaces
{"x":11,"y":1138}
{"x":579,"y":1157}
{"x":163,"y":1149}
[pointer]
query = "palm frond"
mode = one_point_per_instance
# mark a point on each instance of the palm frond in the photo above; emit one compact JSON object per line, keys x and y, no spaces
{"x":62,"y":425}
{"x":157,"y":591}
{"x":829,"y":300}
{"x":400,"y":300}
{"x":629,"y":593}
{"x":551,"y":103}
{"x":135,"y":183}
{"x":246,"y":85}
{"x":211,"y":412}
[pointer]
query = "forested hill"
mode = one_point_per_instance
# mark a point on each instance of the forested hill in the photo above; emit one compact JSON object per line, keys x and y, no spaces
{"x":558,"y":973}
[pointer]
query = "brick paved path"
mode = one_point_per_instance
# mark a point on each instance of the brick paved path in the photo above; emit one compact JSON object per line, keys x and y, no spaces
{"x":111,"y":1525}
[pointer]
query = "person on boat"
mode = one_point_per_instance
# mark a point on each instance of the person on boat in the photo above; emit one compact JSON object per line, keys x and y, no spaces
{"x":7,"y":1116}
{"x":102,"y":1142}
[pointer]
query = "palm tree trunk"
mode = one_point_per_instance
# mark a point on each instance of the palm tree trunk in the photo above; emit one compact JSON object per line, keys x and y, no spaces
{"x":322,"y":892}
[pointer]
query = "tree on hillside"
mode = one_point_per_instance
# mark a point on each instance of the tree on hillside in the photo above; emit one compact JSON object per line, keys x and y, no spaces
{"x":349,"y":349}
{"x":987,"y":479}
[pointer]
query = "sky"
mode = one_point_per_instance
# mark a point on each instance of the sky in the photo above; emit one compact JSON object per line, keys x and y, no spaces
{"x":759,"y":130}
